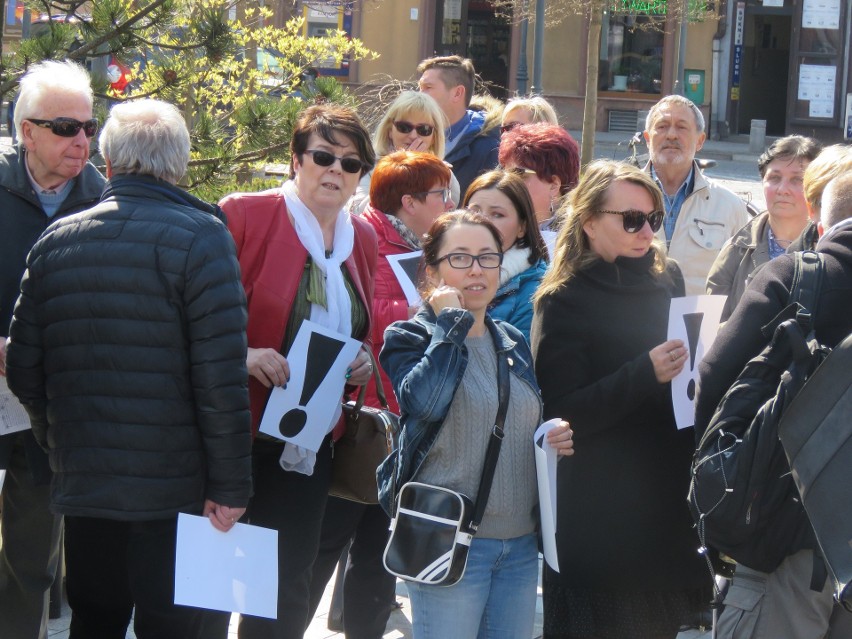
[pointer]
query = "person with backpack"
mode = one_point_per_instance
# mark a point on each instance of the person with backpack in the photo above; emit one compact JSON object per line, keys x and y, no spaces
{"x":794,"y":601}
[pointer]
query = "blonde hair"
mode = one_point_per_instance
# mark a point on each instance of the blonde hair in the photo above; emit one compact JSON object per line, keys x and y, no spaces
{"x":540,"y":109}
{"x":405,"y":103}
{"x":832,"y":162}
{"x":572,"y":252}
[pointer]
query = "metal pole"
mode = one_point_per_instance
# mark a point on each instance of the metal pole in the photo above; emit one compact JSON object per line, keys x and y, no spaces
{"x":684,"y":20}
{"x":539,"y":46}
{"x":522,"y":75}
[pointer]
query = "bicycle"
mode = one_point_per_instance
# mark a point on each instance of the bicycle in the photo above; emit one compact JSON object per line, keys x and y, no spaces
{"x":639,"y":161}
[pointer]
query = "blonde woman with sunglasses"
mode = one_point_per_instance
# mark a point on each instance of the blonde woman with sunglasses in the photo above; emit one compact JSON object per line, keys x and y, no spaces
{"x":627,"y":552}
{"x":413,"y":122}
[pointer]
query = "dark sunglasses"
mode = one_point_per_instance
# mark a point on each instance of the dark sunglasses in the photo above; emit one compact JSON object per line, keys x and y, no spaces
{"x":509,"y":126}
{"x":423,"y":130}
{"x":68,"y":127}
{"x":466,"y":260}
{"x":634,"y":220}
{"x":520,"y":171}
{"x":324,"y":158}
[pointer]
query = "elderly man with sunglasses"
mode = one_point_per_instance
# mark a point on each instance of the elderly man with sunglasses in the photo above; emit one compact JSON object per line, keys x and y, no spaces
{"x":45,"y":177}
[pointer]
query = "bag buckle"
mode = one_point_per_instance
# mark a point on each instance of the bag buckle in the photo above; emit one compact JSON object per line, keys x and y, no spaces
{"x":497,"y":431}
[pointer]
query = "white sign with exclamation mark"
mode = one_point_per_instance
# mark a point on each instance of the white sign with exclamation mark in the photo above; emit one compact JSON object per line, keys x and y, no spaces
{"x":695,"y":320}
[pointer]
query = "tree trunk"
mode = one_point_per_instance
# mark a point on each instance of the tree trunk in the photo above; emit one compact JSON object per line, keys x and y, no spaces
{"x":590,"y":107}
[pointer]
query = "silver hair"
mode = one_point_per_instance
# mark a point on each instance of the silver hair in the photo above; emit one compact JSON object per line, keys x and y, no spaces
{"x":836,"y":201}
{"x":146,"y":137}
{"x":49,"y":80}
{"x":678,"y":100}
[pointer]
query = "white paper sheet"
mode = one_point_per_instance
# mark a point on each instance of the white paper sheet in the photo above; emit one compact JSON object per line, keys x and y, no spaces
{"x":816,"y":82}
{"x":405,"y":266}
{"x":545,"y":468}
{"x":821,"y":14}
{"x":302,"y":412}
{"x":13,"y":416}
{"x":2,"y":478}
{"x":236,"y":571}
{"x":695,"y":320}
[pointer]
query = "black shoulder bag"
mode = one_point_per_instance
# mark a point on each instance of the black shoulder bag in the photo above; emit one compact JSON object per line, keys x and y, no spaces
{"x":432,"y":527}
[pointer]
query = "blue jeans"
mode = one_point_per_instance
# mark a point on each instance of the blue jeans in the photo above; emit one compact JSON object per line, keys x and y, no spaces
{"x":494,"y":600}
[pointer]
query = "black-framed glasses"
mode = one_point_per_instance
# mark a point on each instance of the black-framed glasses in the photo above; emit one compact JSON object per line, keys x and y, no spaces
{"x":445,"y":194}
{"x":324,"y":158}
{"x":466,"y":260}
{"x":509,"y":126}
{"x":634,"y":220}
{"x":423,"y":130}
{"x":521,"y":171}
{"x":67,"y":127}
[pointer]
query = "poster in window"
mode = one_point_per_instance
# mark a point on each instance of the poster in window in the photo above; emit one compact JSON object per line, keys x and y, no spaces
{"x":816,"y":82}
{"x":821,"y":14}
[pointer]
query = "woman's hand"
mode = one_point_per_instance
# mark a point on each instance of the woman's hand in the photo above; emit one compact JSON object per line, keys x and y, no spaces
{"x":668,"y":359}
{"x":222,"y":517}
{"x":268,"y":366}
{"x":445,"y":297}
{"x":417,"y":144}
{"x":361,"y":370}
{"x":561,"y":438}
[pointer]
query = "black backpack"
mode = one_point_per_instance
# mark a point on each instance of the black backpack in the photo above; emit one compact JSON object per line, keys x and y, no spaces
{"x":741,"y":493}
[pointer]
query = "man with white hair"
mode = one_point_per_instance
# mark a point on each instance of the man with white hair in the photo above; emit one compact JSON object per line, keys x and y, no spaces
{"x":128,"y":350}
{"x":45,"y":177}
{"x":700,"y":215}
{"x":796,"y":600}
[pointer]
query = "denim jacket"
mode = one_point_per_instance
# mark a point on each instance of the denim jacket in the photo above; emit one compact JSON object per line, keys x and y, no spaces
{"x":425,"y":358}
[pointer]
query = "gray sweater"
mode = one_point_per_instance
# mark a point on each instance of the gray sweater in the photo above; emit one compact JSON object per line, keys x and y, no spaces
{"x":456,"y":459}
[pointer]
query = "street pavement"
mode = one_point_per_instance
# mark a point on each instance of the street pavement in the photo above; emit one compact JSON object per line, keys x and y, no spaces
{"x":735,"y":169}
{"x":399,"y":624}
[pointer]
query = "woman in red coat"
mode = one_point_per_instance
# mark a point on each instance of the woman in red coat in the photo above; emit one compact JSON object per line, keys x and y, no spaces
{"x":302,"y":257}
{"x":407,"y":192}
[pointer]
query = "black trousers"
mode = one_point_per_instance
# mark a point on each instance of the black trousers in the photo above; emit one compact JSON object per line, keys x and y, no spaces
{"x":111,"y":567}
{"x":368,"y":589}
{"x":293,"y":504}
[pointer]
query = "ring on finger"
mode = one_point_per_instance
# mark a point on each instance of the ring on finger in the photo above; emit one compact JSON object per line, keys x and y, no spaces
{"x":672,"y":356}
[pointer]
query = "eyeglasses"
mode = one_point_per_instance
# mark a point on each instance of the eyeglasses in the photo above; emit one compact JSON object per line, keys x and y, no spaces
{"x":324,"y":158}
{"x":68,"y":127}
{"x":466,"y":260}
{"x":520,"y":171}
{"x":634,"y":220}
{"x":445,"y":194}
{"x":423,"y":130}
{"x":509,"y":126}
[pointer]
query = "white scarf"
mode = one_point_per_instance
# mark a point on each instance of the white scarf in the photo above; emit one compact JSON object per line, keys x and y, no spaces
{"x":338,"y":315}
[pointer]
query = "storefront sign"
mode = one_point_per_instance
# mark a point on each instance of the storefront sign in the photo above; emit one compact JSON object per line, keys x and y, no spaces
{"x":739,"y":25}
{"x":648,"y":7}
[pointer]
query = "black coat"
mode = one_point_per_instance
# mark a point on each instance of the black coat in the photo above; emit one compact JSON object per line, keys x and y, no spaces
{"x":622,"y":521}
{"x":741,"y":337}
{"x":22,"y":221}
{"x":128,"y":350}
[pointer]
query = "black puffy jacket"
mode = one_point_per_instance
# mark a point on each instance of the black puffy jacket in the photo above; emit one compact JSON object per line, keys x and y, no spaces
{"x":128,"y":350}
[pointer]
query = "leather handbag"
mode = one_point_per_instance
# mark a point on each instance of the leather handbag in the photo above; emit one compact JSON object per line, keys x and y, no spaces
{"x":432,"y":527}
{"x":367,"y":440}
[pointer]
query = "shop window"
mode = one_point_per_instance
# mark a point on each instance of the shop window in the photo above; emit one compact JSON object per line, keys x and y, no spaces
{"x":323,"y":17}
{"x":631,"y":55}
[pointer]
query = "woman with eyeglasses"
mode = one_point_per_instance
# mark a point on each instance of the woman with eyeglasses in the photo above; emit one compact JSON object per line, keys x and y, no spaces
{"x":407,"y":193}
{"x":443,"y":366}
{"x":504,"y":199}
{"x":413,"y":122}
{"x":548,"y":159}
{"x":302,"y":257}
{"x":627,"y":551}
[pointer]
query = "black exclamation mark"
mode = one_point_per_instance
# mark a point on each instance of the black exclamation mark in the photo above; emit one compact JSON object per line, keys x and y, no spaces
{"x":692,"y":321}
{"x":322,"y":351}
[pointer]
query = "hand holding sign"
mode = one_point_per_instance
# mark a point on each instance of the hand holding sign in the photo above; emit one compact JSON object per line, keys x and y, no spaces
{"x":694,"y":321}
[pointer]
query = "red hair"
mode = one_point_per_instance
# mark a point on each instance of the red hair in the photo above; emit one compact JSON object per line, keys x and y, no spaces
{"x":405,"y":173}
{"x":547,"y":149}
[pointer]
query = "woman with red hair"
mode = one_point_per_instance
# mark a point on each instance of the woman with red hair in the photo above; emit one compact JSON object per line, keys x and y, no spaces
{"x":408,"y":191}
{"x":548,"y":159}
